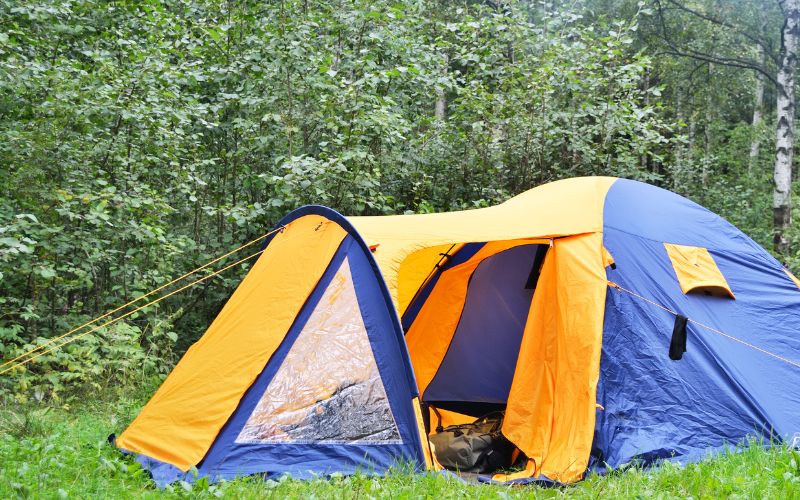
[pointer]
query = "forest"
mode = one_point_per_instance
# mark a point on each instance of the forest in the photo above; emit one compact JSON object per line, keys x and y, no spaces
{"x":142,"y":139}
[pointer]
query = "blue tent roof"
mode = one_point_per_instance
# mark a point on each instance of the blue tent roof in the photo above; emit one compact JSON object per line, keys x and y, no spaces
{"x":721,"y":391}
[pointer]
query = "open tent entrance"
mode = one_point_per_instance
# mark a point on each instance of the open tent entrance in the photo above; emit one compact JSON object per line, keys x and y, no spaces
{"x":492,"y":286}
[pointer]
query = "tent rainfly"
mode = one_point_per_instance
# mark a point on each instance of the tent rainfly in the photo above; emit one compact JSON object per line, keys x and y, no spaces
{"x":612,"y":320}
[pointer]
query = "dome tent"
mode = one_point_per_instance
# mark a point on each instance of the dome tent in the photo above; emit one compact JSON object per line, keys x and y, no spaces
{"x":610,"y":319}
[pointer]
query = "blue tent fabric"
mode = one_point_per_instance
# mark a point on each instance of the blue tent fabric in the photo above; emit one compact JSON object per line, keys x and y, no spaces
{"x":163,"y":474}
{"x":480,"y":362}
{"x":722,"y":391}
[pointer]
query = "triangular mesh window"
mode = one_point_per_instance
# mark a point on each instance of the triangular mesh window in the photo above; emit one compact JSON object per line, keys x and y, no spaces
{"x":328,"y":389}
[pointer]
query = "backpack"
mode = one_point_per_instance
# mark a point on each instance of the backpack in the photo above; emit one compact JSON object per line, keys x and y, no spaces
{"x":478,"y":447}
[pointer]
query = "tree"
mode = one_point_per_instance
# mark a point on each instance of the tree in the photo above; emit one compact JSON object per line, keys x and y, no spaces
{"x":758,"y":111}
{"x":142,"y":138}
{"x":741,"y":21}
{"x":784,"y":142}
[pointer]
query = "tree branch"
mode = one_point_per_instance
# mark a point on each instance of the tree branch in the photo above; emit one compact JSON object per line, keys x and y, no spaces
{"x":714,"y":20}
{"x":735,"y":62}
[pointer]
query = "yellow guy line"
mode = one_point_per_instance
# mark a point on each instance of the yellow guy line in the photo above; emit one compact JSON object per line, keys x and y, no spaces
{"x":707,"y":327}
{"x":76,"y":337}
{"x":137,"y":299}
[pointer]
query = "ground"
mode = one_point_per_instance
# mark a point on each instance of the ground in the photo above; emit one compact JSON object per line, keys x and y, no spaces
{"x":49,"y":451}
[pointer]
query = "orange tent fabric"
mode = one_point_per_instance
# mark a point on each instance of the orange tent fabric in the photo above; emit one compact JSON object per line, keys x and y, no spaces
{"x":206,"y":386}
{"x":696,"y":270}
{"x":561,"y":208}
{"x":551,"y":406}
{"x":410,"y":246}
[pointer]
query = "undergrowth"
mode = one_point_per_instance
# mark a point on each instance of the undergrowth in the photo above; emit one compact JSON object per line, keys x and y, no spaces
{"x":57,"y":452}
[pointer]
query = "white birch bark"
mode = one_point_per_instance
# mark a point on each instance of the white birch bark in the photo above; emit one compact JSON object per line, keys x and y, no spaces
{"x":440,"y":111}
{"x":784,"y":141}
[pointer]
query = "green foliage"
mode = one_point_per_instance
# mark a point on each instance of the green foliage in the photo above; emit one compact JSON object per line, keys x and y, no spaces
{"x":144,"y":138}
{"x":141,"y":139}
{"x":121,"y":353}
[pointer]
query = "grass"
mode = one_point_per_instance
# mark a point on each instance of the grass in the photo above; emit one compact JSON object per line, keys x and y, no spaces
{"x":50,"y":452}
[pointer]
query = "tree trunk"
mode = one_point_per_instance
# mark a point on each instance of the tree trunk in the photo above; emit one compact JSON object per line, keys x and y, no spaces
{"x":440,"y":112}
{"x":646,"y":91}
{"x":784,"y":141}
{"x":758,"y":109}
{"x":441,"y":105}
{"x":681,"y":150}
{"x":710,"y":115}
{"x":692,"y":139}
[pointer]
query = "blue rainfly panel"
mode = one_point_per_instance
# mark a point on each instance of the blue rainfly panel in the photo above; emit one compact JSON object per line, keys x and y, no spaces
{"x":722,"y":391}
{"x":479,"y":364}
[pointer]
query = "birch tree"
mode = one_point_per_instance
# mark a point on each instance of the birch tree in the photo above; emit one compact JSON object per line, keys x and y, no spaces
{"x":784,"y":140}
{"x":777,"y":67}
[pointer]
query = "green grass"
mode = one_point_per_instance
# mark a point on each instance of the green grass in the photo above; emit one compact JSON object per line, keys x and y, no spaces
{"x":62,"y":453}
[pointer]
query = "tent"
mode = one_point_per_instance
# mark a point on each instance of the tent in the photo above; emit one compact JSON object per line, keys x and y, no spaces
{"x":612,"y":320}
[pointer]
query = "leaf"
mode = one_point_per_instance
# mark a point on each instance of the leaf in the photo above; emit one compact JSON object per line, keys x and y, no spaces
{"x":30,"y":217}
{"x":47,"y":272}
